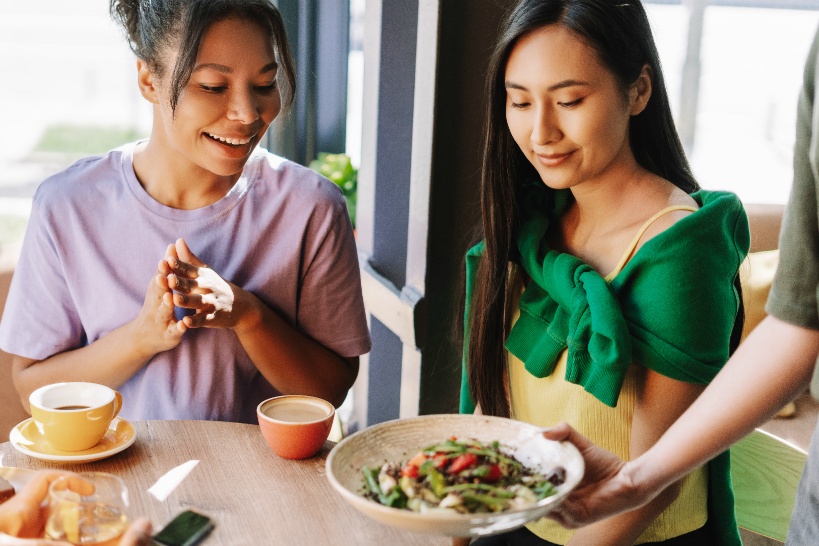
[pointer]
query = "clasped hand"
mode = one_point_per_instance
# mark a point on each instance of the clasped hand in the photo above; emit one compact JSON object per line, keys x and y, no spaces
{"x":215,"y":301}
{"x":183,"y":280}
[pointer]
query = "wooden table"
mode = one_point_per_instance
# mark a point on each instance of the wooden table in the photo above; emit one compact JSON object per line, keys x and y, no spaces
{"x":253,"y":496}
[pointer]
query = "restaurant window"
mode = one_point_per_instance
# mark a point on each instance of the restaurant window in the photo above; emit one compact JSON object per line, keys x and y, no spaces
{"x":751,"y":58}
{"x":70,"y":91}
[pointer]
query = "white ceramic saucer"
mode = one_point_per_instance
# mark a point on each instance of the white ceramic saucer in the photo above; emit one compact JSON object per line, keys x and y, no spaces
{"x":27,"y":439}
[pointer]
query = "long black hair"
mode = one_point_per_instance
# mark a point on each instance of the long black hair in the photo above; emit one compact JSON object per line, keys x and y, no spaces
{"x":619,"y":32}
{"x":154,"y":27}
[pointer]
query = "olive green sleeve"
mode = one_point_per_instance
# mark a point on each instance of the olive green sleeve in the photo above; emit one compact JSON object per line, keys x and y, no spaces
{"x":793,"y":296}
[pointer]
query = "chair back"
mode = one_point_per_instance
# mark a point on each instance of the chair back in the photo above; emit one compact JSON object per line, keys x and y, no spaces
{"x":765,"y":472}
{"x":11,"y":409}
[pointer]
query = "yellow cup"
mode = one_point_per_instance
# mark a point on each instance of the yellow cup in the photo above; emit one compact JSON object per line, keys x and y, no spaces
{"x":74,"y":416}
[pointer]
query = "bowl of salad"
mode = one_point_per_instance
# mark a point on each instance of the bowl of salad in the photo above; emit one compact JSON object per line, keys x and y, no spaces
{"x":453,"y":475}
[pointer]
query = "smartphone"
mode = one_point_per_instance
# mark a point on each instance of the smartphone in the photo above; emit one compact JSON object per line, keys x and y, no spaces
{"x":186,"y":529}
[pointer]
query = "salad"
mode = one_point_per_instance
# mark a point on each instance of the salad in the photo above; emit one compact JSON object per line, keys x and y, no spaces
{"x":466,"y":476}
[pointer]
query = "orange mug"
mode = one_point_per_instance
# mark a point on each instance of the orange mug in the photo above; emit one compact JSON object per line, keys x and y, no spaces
{"x":295,"y":426}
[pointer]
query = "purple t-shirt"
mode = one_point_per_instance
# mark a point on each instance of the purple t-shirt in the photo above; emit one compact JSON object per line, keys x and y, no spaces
{"x":91,"y":249}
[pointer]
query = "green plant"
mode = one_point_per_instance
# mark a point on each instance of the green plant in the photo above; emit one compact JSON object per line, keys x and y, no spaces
{"x":84,"y":139}
{"x":339,"y":169}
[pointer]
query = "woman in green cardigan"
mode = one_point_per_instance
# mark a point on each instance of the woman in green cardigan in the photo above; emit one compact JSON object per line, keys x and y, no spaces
{"x":604,"y":291}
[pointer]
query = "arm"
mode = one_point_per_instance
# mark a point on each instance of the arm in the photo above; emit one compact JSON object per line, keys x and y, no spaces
{"x":114,"y":358}
{"x":771,"y":367}
{"x":288,"y":359}
{"x":660,"y":401}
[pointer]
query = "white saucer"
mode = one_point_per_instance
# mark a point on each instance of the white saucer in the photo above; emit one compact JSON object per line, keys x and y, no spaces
{"x":27,"y":439}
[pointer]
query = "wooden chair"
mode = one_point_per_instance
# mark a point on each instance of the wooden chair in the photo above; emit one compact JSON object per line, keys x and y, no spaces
{"x":11,"y":409}
{"x":765,"y":471}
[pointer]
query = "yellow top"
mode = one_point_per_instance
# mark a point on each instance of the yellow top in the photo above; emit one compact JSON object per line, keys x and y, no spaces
{"x":547,"y":401}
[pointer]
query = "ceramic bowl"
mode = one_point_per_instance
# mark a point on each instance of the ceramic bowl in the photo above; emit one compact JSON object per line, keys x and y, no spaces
{"x":398,"y":440}
{"x":295,"y":426}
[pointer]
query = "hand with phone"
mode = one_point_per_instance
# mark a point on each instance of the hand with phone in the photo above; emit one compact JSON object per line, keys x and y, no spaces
{"x":187,"y":529}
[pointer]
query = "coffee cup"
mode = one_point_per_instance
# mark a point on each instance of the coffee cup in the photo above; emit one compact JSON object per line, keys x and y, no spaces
{"x":295,"y":426}
{"x":74,"y":416}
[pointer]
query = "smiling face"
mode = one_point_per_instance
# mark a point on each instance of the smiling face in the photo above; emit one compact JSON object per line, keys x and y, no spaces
{"x":566,"y":111}
{"x":226,"y":106}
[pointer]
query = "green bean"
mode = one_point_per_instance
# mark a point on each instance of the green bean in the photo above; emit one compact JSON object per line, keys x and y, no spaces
{"x":495,"y":456}
{"x":396,"y":498}
{"x":497,"y":491}
{"x":371,"y":475}
{"x":493,"y":502}
{"x":436,"y":480}
{"x":543,"y":490}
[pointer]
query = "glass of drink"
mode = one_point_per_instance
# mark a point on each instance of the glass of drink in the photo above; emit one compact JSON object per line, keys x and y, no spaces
{"x":92,"y":513}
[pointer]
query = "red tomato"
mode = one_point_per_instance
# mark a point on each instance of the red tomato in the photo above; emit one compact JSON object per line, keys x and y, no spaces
{"x":440,"y":460}
{"x":494,"y":473}
{"x":462,"y":462}
{"x":409,"y":470}
{"x":417,"y":460}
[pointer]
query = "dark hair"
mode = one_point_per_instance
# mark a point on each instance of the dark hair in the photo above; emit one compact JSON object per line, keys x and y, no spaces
{"x":153,"y":27}
{"x":619,"y":31}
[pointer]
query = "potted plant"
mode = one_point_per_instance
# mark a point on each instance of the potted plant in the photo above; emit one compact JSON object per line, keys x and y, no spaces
{"x":339,"y":169}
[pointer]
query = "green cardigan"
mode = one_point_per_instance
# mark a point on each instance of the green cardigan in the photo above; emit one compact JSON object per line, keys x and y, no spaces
{"x":672,"y":309}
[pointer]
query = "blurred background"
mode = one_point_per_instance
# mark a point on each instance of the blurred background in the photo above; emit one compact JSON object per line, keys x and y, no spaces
{"x":380,"y":88}
{"x":69,"y":90}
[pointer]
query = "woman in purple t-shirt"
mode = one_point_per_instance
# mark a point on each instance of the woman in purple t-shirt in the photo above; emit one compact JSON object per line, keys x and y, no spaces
{"x":256,"y":255}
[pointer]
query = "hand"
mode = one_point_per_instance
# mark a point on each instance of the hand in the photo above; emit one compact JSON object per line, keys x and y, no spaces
{"x":6,"y":540}
{"x":24,"y":516}
{"x":216,"y":301}
{"x":138,"y":534}
{"x":156,"y":325}
{"x":605,"y":489}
